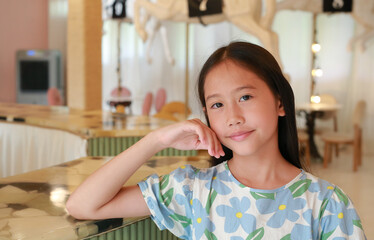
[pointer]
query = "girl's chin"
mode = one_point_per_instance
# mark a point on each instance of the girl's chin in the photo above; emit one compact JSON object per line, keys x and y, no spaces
{"x":242,"y":152}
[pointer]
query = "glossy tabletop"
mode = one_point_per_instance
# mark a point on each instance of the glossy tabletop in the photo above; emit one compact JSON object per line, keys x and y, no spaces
{"x":32,"y":205}
{"x":317,"y":107}
{"x":83,"y":123}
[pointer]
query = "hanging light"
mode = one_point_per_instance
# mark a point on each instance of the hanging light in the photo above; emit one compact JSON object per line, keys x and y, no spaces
{"x":315,"y":99}
{"x":316,"y":47}
{"x":317,"y":72}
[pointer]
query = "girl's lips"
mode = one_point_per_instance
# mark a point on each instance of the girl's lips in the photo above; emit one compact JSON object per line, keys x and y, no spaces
{"x":239,"y":136}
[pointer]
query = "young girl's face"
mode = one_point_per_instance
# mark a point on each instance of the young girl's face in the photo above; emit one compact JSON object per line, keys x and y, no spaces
{"x":242,"y":110}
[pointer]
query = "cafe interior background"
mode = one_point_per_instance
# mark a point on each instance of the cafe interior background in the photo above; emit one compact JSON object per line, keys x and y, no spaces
{"x":347,"y":74}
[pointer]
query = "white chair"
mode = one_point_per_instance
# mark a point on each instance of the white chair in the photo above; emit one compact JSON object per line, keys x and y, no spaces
{"x":354,"y":138}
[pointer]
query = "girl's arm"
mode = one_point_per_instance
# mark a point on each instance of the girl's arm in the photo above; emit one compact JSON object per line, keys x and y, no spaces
{"x":102,"y":194}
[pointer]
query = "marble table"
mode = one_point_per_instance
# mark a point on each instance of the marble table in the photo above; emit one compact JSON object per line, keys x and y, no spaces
{"x":87,"y":124}
{"x":32,"y":205}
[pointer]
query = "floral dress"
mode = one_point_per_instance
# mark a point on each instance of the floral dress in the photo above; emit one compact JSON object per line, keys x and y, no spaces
{"x":211,"y":204}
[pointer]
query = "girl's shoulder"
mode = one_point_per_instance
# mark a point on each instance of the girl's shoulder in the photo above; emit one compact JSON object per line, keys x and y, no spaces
{"x":325,"y":189}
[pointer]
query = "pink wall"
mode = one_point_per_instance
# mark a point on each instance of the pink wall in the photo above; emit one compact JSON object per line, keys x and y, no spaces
{"x":23,"y":25}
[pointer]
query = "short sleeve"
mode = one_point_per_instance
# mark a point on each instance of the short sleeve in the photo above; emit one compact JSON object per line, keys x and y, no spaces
{"x":168,"y":198}
{"x":339,"y":218}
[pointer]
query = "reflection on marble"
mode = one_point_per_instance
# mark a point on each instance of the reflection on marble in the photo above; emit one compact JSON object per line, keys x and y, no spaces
{"x":32,"y":205}
{"x":83,"y":123}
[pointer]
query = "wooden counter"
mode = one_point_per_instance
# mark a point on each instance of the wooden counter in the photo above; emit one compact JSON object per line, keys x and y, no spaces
{"x":32,"y":205}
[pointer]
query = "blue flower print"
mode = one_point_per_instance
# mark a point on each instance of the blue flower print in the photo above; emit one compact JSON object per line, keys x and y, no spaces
{"x":323,"y":187}
{"x":201,"y":219}
{"x":236,"y":238}
{"x":283,"y":207}
{"x":161,"y":214}
{"x":236,"y":216}
{"x":216,"y":181}
{"x":185,"y":220}
{"x":340,"y":216}
{"x":309,"y":231}
{"x":151,"y":178}
{"x":184,"y":172}
{"x":185,"y":200}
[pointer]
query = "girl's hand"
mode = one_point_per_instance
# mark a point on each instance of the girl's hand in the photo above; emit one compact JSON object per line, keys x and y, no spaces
{"x":190,"y":134}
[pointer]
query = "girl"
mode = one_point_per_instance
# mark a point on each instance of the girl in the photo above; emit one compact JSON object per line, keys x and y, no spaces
{"x":258,"y":189}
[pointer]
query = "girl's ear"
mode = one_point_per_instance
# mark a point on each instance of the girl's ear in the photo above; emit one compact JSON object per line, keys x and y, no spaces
{"x":281,"y":111}
{"x":204,"y":109}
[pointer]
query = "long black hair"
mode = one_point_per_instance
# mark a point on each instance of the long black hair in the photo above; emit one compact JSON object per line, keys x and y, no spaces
{"x":261,"y":62}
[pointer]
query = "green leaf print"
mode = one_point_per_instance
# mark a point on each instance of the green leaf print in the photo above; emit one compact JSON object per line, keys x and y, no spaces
{"x":256,"y":234}
{"x":210,"y":235}
{"x":167,"y":197}
{"x":258,"y":195}
{"x":164,"y":182}
{"x":287,"y":237}
{"x":323,"y":207}
{"x":357,"y":223}
{"x":341,"y":195}
{"x":212,"y":197}
{"x":185,"y":221}
{"x":326,"y":235}
{"x":300,"y":187}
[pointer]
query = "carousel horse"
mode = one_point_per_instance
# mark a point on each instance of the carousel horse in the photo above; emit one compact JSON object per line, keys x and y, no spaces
{"x":363,"y":13}
{"x":153,"y":26}
{"x":245,"y":14}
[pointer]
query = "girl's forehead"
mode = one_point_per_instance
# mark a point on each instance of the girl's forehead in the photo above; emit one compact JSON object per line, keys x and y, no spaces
{"x":229,"y":74}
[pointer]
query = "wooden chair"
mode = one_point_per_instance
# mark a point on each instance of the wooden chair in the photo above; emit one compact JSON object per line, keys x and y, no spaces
{"x":328,"y":116}
{"x":327,"y":98}
{"x":304,"y":147}
{"x":340,"y":138}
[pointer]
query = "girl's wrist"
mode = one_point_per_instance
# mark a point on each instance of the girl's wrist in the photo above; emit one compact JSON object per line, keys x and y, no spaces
{"x":153,"y":141}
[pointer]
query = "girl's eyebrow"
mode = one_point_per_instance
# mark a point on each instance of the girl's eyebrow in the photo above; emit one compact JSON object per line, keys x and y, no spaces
{"x":235,"y":90}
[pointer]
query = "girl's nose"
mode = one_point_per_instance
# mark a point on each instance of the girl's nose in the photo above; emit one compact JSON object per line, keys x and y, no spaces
{"x":235,"y":121}
{"x":234,"y":117}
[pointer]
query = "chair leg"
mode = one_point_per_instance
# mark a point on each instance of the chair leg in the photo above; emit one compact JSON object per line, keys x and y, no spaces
{"x":307,"y":153}
{"x":327,"y":154}
{"x":360,"y":152}
{"x":336,"y":146}
{"x":335,"y":121}
{"x":355,"y":157}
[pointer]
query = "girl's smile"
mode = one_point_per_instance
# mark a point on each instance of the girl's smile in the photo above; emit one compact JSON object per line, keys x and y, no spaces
{"x":240,"y":136}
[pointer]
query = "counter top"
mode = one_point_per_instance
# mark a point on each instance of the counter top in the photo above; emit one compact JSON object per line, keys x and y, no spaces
{"x":32,"y":205}
{"x":86,"y":124}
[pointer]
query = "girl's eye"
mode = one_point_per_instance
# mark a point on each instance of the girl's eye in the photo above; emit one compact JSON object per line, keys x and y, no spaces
{"x":245,"y":98}
{"x":217,"y":105}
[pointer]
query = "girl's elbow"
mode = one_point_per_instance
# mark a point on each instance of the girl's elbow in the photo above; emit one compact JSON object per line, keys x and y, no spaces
{"x":76,"y":210}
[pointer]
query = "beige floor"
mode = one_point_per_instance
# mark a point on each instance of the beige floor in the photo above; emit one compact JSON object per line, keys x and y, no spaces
{"x":358,"y":185}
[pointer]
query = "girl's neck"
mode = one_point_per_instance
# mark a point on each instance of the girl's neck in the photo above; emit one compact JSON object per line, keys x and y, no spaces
{"x":262,"y":172}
